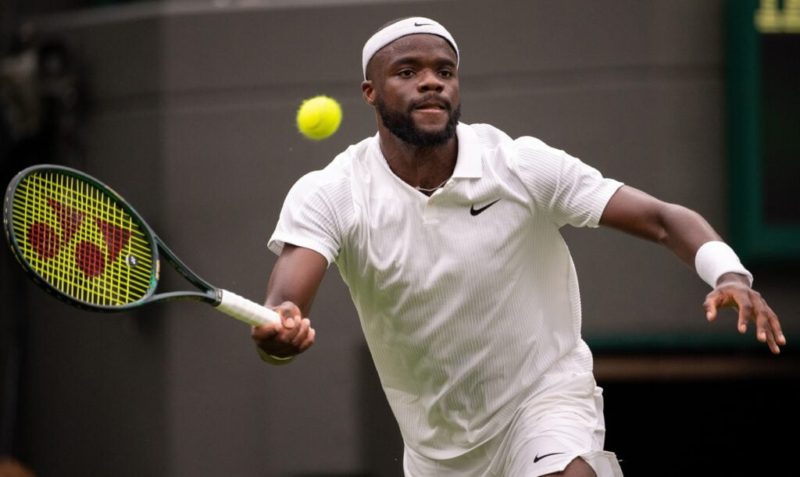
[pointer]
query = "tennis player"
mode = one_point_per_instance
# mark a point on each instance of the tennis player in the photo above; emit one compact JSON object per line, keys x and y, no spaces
{"x":447,"y":236}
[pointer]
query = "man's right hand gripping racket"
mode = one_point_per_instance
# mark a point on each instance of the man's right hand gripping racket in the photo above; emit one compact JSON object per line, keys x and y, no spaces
{"x":83,"y":243}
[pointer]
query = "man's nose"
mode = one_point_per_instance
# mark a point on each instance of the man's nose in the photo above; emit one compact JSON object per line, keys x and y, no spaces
{"x":430,"y":81}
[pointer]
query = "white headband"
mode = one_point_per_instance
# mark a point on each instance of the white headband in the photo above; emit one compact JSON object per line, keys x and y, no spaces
{"x":407,"y":26}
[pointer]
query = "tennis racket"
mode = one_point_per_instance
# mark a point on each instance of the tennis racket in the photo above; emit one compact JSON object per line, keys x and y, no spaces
{"x":83,"y":243}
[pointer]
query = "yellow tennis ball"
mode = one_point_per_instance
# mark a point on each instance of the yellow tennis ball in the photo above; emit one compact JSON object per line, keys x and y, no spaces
{"x":319,"y":117}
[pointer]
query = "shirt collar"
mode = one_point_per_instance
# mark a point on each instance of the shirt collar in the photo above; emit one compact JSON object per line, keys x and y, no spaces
{"x":468,"y":162}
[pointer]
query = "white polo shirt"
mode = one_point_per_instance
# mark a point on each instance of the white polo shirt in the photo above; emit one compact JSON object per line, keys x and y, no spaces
{"x":467,"y":297}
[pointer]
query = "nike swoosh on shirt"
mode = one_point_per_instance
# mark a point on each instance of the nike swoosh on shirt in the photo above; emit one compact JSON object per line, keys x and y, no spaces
{"x":540,"y":457}
{"x":473,"y":211}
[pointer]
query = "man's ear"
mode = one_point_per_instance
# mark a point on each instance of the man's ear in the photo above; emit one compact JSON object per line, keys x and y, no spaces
{"x":368,"y":92}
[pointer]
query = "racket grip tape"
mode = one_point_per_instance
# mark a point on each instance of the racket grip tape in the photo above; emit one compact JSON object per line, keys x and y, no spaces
{"x":245,"y":310}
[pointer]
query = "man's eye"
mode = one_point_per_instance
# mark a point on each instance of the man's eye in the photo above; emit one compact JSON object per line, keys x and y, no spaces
{"x":405,"y":73}
{"x":446,"y":73}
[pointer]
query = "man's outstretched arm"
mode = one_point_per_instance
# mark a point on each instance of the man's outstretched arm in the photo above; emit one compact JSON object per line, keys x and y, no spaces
{"x":292,"y":286}
{"x":685,"y":232}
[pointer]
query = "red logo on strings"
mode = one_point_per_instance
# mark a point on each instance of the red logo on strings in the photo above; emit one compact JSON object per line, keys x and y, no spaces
{"x":47,"y":243}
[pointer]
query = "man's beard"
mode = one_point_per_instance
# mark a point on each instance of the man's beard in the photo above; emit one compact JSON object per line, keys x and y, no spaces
{"x":402,"y":126}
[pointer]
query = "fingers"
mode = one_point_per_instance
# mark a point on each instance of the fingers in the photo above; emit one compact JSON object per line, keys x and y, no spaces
{"x":713,"y":301}
{"x":264,"y":332}
{"x":289,"y":313}
{"x":746,"y":313}
{"x":290,"y":337}
{"x":305,"y":339}
{"x":298,"y":334}
{"x":751,"y":308}
{"x":768,"y":328}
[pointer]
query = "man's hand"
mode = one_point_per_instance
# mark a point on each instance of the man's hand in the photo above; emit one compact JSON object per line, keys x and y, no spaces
{"x":733,"y":291}
{"x":286,"y":339}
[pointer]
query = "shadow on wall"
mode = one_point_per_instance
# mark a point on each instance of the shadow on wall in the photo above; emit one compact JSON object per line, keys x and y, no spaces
{"x":42,"y":106}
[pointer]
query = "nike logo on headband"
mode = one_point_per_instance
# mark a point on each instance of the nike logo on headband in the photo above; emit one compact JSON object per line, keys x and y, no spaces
{"x":421,"y":24}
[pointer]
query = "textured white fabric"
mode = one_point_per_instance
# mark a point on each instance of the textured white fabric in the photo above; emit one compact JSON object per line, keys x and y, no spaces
{"x":405,"y":27}
{"x":467,"y":297}
{"x":714,"y":259}
{"x":562,"y":421}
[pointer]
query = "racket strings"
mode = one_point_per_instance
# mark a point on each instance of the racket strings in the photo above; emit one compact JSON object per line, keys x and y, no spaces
{"x":80,"y":241}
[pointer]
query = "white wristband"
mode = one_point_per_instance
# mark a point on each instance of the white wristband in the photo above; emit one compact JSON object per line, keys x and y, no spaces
{"x":715,"y":258}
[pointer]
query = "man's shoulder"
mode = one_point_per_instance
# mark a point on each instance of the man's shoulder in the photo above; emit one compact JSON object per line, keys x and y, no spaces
{"x":339,"y":173}
{"x":489,"y":136}
{"x":493,"y":137}
{"x":525,"y":151}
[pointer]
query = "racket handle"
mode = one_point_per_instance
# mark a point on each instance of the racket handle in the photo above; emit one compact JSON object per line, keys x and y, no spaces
{"x":245,"y":310}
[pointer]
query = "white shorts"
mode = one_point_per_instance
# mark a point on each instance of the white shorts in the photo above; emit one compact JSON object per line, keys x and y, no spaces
{"x":562,"y":421}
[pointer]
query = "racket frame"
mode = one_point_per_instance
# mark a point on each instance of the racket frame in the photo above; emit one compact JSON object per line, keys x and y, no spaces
{"x":207,"y":293}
